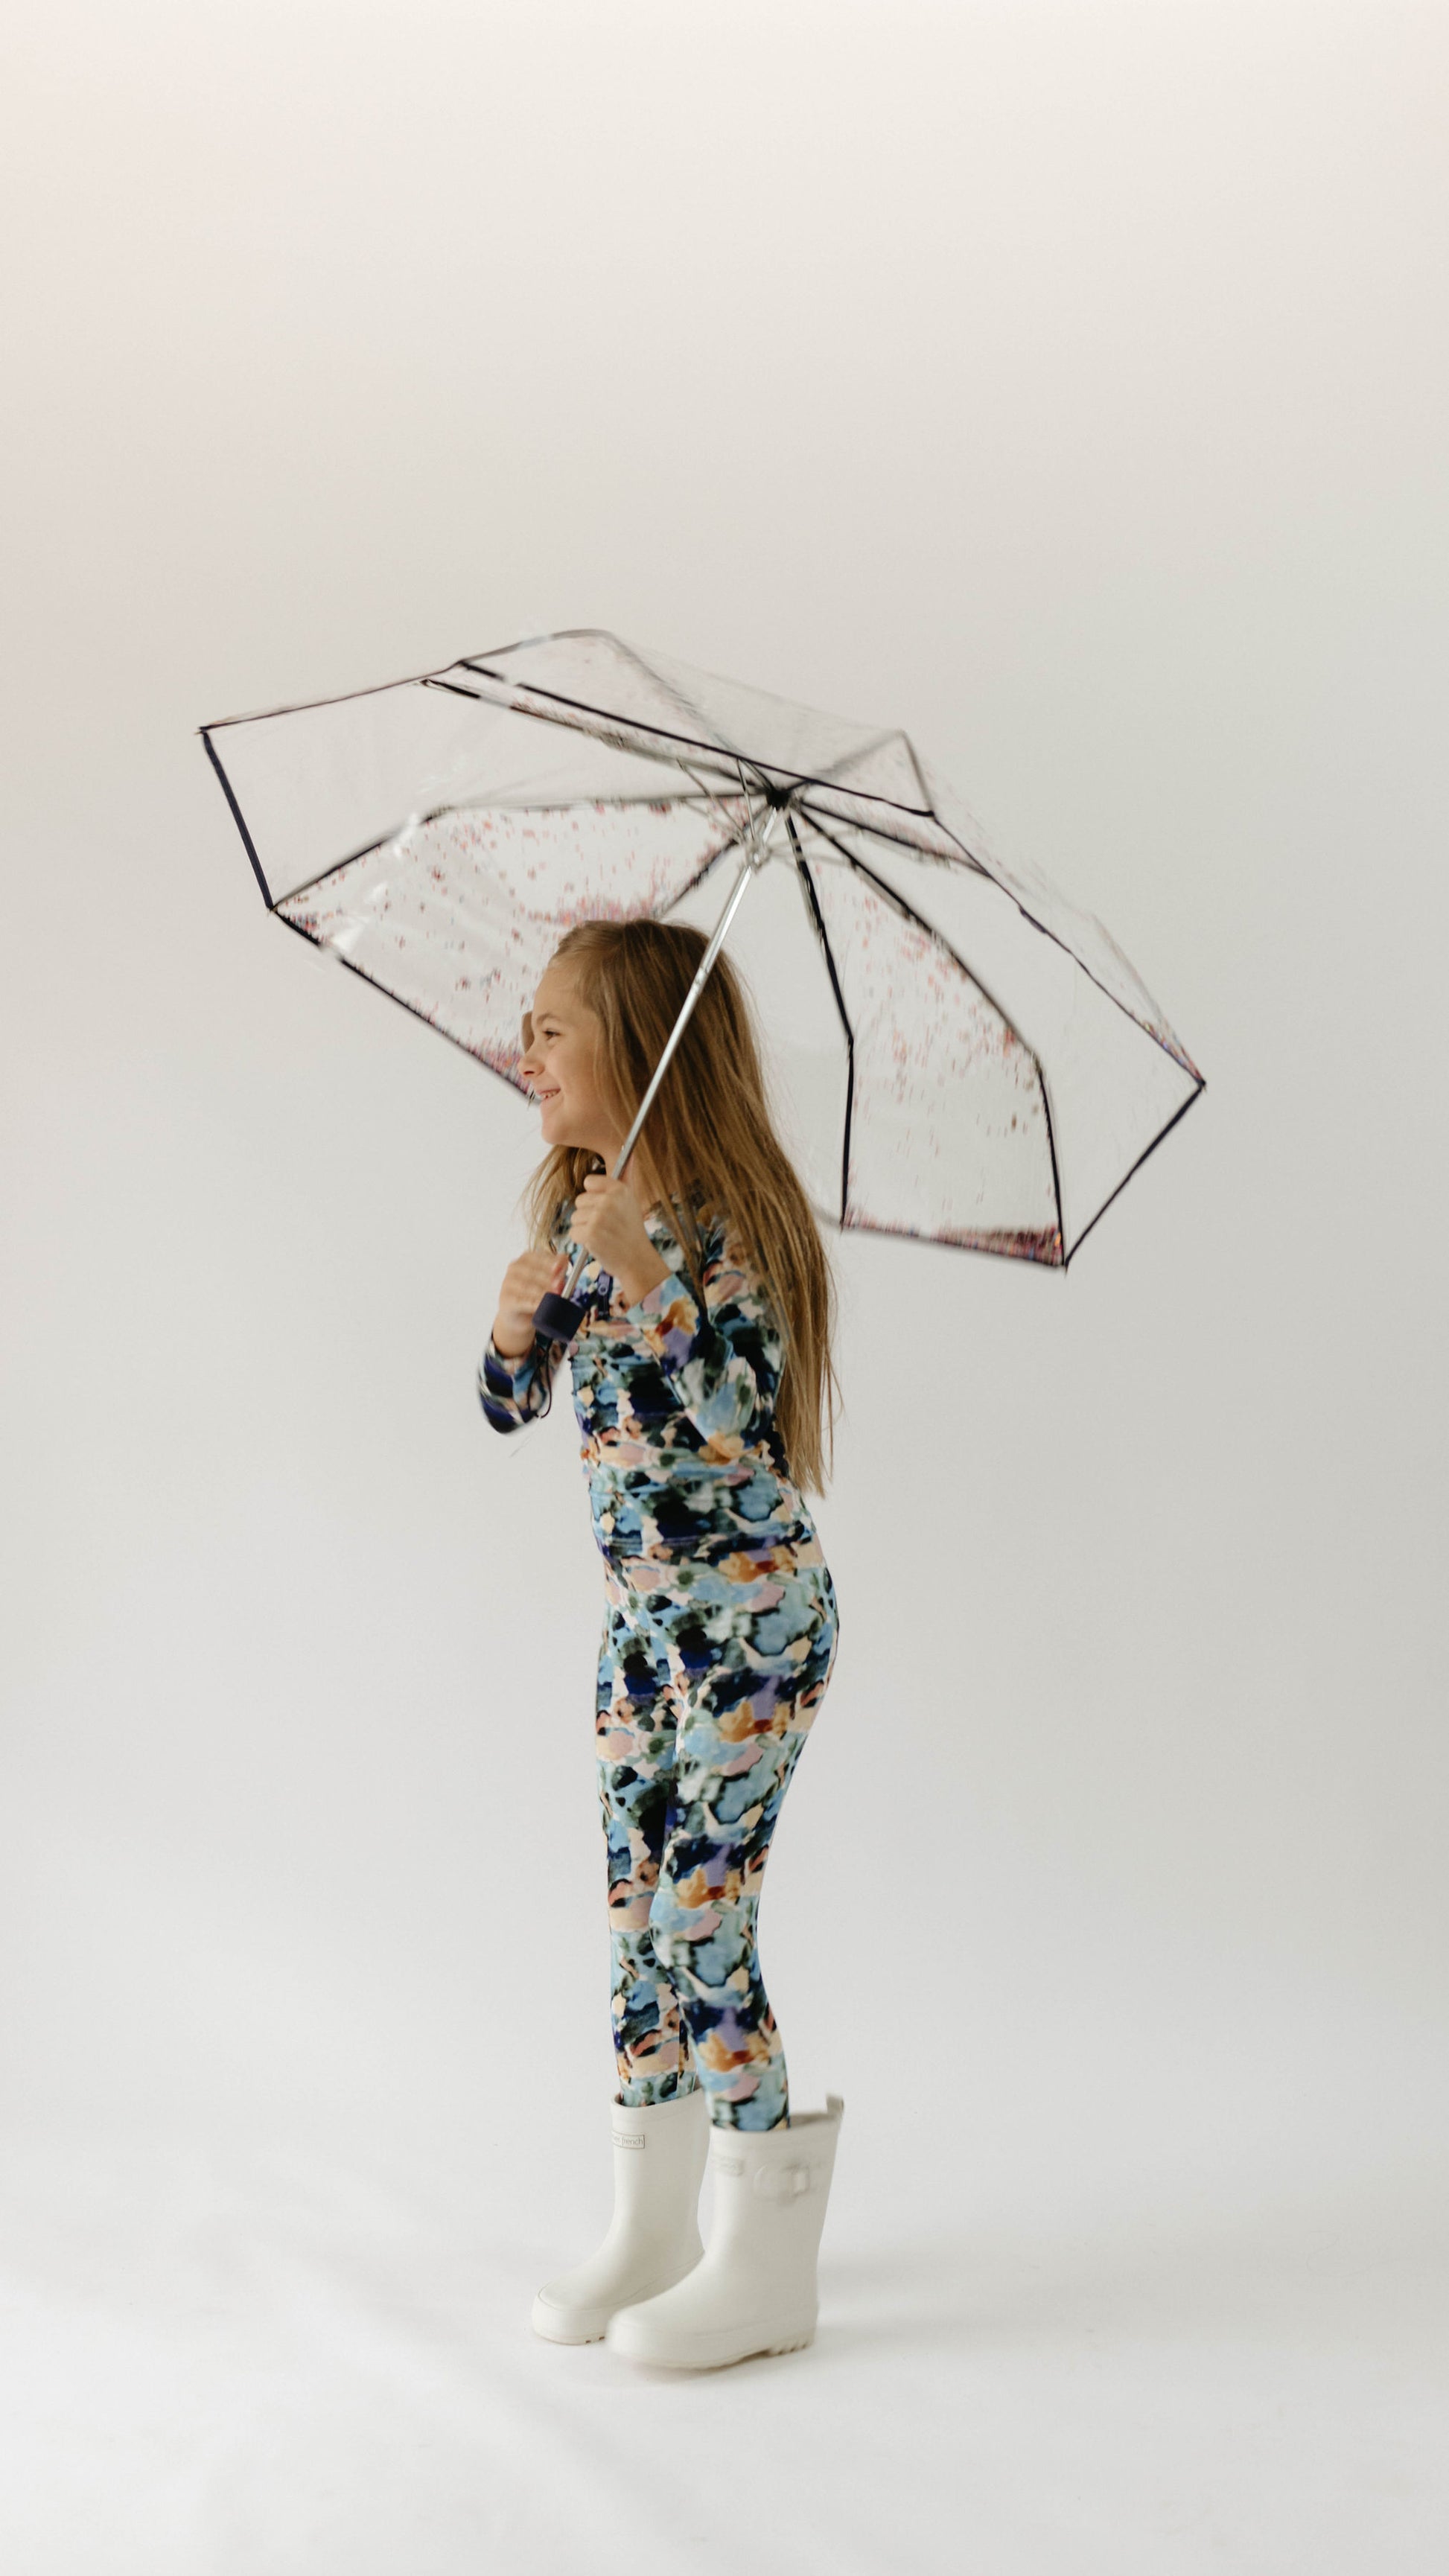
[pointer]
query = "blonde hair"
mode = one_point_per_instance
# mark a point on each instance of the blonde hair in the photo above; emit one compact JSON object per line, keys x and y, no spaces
{"x":708,"y":1148}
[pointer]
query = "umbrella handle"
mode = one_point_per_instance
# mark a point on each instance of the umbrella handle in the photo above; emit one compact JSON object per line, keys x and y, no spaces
{"x":558,"y":1318}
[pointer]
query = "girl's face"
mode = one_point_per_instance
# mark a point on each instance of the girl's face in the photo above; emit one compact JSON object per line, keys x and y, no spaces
{"x":560,"y":1054}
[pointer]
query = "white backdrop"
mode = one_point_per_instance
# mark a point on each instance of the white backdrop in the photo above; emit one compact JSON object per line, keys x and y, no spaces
{"x":1066,"y":383}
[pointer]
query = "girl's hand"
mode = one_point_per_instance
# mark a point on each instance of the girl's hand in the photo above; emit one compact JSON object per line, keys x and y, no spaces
{"x":524,"y":1282}
{"x":608,"y":1222}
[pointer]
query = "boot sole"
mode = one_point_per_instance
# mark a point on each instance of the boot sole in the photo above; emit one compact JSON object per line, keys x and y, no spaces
{"x":561,"y":2333}
{"x":708,"y":2359}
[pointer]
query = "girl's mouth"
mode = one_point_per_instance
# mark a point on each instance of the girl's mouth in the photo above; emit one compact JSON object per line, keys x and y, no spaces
{"x":542,"y":1096}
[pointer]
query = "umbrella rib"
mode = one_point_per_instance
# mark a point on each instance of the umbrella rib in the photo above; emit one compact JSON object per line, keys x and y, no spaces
{"x":859,"y":751}
{"x":959,"y":857}
{"x":1180,"y":1112}
{"x":707,"y":791}
{"x":566,"y":804}
{"x":326,"y":949}
{"x":580,"y":706}
{"x":1176,"y":1051}
{"x":381,"y":688}
{"x":670,"y":691}
{"x":802,"y":865}
{"x":540,"y":715}
{"x":637,"y":724}
{"x":720,"y":742}
{"x":474,"y":696}
{"x":479,"y":663}
{"x":872,"y":743}
{"x":248,"y":844}
{"x":313,"y":706}
{"x":334,"y":867}
{"x":737,"y":834}
{"x":862,"y":868}
{"x":365,"y":851}
{"x":920,"y":778}
{"x":735,"y":841}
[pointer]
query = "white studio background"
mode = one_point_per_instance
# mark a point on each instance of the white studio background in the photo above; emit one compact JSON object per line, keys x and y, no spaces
{"x":1067,"y":383}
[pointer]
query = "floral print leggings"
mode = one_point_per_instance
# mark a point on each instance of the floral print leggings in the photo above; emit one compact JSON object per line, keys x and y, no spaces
{"x":710,"y":1674}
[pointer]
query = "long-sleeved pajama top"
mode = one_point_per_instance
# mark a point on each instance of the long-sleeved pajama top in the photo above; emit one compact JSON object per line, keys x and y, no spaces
{"x":675,"y":1399}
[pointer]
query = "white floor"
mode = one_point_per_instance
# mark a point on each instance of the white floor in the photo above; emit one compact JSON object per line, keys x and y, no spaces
{"x":217,"y":2363}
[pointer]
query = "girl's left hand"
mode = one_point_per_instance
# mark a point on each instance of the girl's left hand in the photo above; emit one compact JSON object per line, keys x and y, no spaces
{"x":608,"y":1221}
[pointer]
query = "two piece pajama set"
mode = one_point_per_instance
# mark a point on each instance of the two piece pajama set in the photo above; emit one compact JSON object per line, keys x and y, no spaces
{"x":720,"y":1631}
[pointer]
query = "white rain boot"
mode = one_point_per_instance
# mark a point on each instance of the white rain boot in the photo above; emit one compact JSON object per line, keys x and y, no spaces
{"x":755,"y":2289}
{"x":653,"y":2238}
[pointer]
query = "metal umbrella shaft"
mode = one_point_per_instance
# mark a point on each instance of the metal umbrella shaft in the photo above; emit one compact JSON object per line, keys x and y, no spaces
{"x":559,"y":1316}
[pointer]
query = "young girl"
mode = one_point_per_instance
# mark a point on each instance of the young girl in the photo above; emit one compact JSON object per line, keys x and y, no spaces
{"x":705,"y":1393}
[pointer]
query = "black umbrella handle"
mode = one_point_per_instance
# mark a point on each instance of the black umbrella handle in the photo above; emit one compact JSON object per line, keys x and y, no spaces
{"x":558,"y":1318}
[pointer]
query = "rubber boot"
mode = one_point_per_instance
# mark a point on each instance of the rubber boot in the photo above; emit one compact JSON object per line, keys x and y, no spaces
{"x":653,"y":2238}
{"x":755,"y":2289}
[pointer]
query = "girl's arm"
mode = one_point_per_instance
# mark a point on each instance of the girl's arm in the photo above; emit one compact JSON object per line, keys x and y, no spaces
{"x":515,"y":1383}
{"x":720,"y":1357}
{"x":514,"y":1390}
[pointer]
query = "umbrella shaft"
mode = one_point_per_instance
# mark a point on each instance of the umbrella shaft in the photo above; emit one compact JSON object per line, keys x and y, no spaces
{"x":750,"y":867}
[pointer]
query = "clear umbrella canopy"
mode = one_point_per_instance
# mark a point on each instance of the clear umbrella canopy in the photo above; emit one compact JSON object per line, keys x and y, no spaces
{"x":956,"y":1051}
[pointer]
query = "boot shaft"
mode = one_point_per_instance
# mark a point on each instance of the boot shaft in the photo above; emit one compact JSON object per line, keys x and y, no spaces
{"x":659,"y":2161}
{"x":771,"y":2187}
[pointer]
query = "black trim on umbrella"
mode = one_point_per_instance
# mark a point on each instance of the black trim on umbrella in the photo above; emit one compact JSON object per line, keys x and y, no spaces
{"x":611,"y":730}
{"x":248,"y":844}
{"x":958,"y":857}
{"x":479,"y":663}
{"x":765,"y":773}
{"x":825,"y":779}
{"x":475,"y":697}
{"x":670,"y":691}
{"x":639,"y":724}
{"x":1180,"y":1112}
{"x":1177,"y":1052}
{"x":435,"y":813}
{"x":325,"y":948}
{"x":533,"y":715}
{"x":1198,"y":1079}
{"x":803,"y":868}
{"x":334,"y":867}
{"x":921,"y":778}
{"x":1056,"y":1175}
{"x":584,"y":707}
{"x":863,"y":868}
{"x":412,"y":679}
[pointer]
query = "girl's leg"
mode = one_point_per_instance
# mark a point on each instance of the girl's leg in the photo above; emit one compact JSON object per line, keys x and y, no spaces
{"x":636,"y":1736}
{"x":750,"y":1662}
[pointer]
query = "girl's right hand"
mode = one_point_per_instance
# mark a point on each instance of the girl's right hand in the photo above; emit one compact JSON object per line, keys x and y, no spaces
{"x":524,"y":1282}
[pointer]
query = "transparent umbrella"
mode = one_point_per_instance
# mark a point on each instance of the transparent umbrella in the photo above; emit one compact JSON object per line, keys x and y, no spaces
{"x":957,"y":1052}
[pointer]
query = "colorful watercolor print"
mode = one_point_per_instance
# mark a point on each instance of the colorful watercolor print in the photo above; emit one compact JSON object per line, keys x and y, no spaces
{"x":719,"y":1637}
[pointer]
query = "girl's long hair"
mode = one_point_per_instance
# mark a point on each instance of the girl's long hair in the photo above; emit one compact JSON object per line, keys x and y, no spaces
{"x":708,"y":1148}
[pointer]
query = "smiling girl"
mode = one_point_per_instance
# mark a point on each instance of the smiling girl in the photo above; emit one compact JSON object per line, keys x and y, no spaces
{"x":705,"y":1398}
